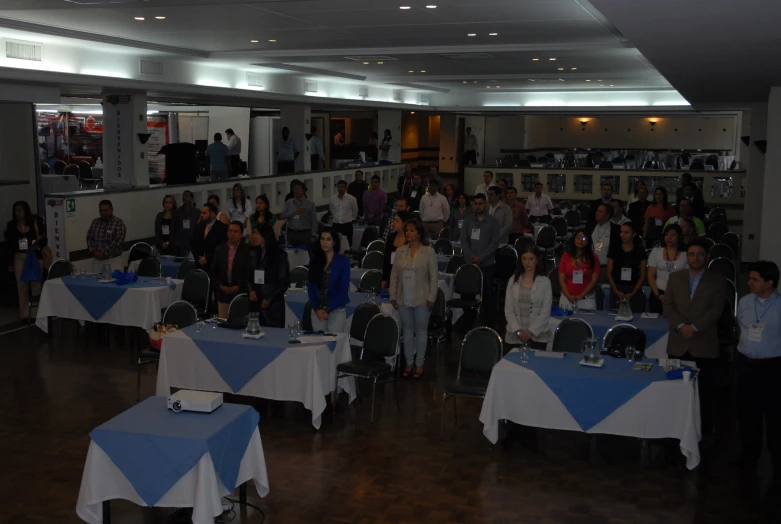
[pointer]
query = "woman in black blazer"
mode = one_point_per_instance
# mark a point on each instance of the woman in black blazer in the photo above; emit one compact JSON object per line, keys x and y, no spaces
{"x":396,"y":239}
{"x":167,"y":227}
{"x":271,"y":277}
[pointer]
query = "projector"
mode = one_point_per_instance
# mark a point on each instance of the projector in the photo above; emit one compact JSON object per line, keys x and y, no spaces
{"x":200,"y":401}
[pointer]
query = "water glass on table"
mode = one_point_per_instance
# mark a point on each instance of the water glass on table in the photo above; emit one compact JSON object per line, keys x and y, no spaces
{"x":632,"y":355}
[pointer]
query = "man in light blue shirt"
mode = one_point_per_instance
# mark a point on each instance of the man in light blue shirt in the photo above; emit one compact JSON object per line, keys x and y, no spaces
{"x":219,"y":163}
{"x":759,"y":367}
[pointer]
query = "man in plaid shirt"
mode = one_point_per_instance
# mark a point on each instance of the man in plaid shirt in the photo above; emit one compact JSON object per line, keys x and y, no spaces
{"x":105,"y":237}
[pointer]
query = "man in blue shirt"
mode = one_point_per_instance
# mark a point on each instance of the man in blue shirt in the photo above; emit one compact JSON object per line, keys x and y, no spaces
{"x":759,"y":367}
{"x":219,"y":163}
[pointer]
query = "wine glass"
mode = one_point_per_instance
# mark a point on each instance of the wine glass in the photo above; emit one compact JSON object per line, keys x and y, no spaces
{"x":631,"y":353}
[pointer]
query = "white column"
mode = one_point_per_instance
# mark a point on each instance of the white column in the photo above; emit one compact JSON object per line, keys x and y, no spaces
{"x":298,"y":119}
{"x":770,"y":247}
{"x":391,"y":119}
{"x":755,"y":176}
{"x":125,"y":161}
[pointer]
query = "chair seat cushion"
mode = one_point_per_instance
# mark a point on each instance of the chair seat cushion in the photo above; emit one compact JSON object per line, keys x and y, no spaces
{"x":363,"y":368}
{"x":467,"y":387}
{"x":148,"y":354}
{"x":462,"y":302}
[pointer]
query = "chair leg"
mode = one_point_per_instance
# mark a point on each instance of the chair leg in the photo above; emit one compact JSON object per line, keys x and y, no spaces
{"x":138,"y":383}
{"x":374,"y":387}
{"x":444,"y":401}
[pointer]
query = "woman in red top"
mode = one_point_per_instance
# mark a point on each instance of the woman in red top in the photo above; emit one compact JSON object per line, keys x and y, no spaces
{"x":578,"y":272}
{"x":656,"y":216}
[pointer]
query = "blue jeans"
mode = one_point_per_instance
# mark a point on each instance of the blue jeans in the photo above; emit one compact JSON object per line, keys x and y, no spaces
{"x":414,"y":330}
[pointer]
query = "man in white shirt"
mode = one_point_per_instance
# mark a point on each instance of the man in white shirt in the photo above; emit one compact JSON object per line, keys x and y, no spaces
{"x":434,"y":209}
{"x":539,"y":205}
{"x":619,"y":218}
{"x":287,"y":152}
{"x":234,"y":151}
{"x":501,"y":212}
{"x":604,"y":234}
{"x":488,"y":177}
{"x":344,"y":211}
{"x":470,"y":148}
{"x":315,"y":150}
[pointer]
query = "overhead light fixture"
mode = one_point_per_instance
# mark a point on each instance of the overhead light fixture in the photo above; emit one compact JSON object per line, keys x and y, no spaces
{"x":599,"y":80}
{"x":653,"y":121}
{"x":561,"y":69}
{"x":531,"y":80}
{"x":574,"y":69}
{"x":254,"y":41}
{"x":412,"y":112}
{"x":584,"y":121}
{"x":410,"y":71}
{"x":159,"y":18}
{"x":475,"y":81}
{"x":552,"y":59}
{"x":139,"y":18}
{"x":535,"y":59}
{"x":611,"y":85}
{"x":380,"y":63}
{"x":464,"y":82}
{"x":471,"y":34}
{"x":431,"y":7}
{"x":488,"y":87}
{"x":498,"y":87}
{"x":493,"y":34}
{"x":422,"y":70}
{"x":366,"y":63}
{"x":404,"y":7}
{"x":588,"y":80}
{"x":272,"y":41}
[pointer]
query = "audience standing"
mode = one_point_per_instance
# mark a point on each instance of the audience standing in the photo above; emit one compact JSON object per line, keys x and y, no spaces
{"x":404,"y":184}
{"x":471,"y":149}
{"x":656,"y":216}
{"x":619,"y":218}
{"x":187,"y":216}
{"x":457,"y":216}
{"x":607,"y":199}
{"x":638,"y":208}
{"x":374,"y":202}
{"x":387,"y":227}
{"x":500,"y":212}
{"x":208,"y":234}
{"x":234,"y":152}
{"x":579,"y":272}
{"x":527,"y":304}
{"x":219,"y":158}
{"x":488,"y":181}
{"x":344,"y":211}
{"x":231,"y":269}
{"x":519,"y":215}
{"x":661,"y":262}
{"x":105,"y":237}
{"x":357,"y":188}
{"x":416,"y":192}
{"x":166,"y":227}
{"x":271,"y":277}
{"x":626,"y":265}
{"x":479,"y":242}
{"x":434,"y":209}
{"x":395,"y":240}
{"x":539,"y":205}
{"x":262,"y":214}
{"x":240,"y":206}
{"x":315,"y":151}
{"x":604,"y":234}
{"x":222,"y":216}
{"x":301,"y":214}
{"x":686,"y":210}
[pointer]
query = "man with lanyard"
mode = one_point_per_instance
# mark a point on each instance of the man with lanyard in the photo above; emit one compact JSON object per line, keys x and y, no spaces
{"x":539,"y":205}
{"x":404,"y":185}
{"x":188,"y":216}
{"x":686,"y":210}
{"x":301,"y":216}
{"x":401,"y":205}
{"x":344,"y":211}
{"x":479,"y":241}
{"x":287,"y":152}
{"x":519,"y":214}
{"x":434,"y":209}
{"x":374,"y":202}
{"x":501,"y":213}
{"x":759,"y":367}
{"x":604,"y":235}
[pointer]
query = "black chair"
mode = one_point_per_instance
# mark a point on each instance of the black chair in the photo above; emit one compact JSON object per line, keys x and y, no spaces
{"x":531,"y":158}
{"x":553,"y":276}
{"x":381,"y":342}
{"x":299,"y":276}
{"x":480,"y":351}
{"x":697,"y":165}
{"x":521,"y":242}
{"x":327,"y":218}
{"x":712,"y":160}
{"x":445,"y":233}
{"x":718,"y":219}
{"x":556,"y":212}
{"x":306,"y":319}
{"x":59,"y":167}
{"x":377,"y":245}
{"x":196,"y":289}
{"x":547,"y":243}
{"x":185,"y":268}
{"x":59,"y":269}
{"x":138,"y":251}
{"x":523,"y":164}
{"x":370,"y":234}
{"x":506,"y":262}
{"x":454,"y":263}
{"x":238,"y":309}
{"x":583,"y":209}
{"x":606,"y":164}
{"x":619,"y":160}
{"x":724,"y":267}
{"x":716,"y":231}
{"x":360,"y":320}
{"x":561,"y":225}
{"x":732,"y":240}
{"x":373,"y":260}
{"x":44,"y":168}
{"x":623,"y":335}
{"x":570,"y":333}
{"x":371,"y":281}
{"x":573,"y":219}
{"x":468,"y":284}
{"x":437,"y":322}
{"x":443,"y":246}
{"x":149,"y":267}
{"x":721,"y":250}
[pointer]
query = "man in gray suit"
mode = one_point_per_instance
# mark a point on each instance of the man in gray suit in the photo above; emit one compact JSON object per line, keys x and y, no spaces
{"x":693,"y":304}
{"x":501,"y":212}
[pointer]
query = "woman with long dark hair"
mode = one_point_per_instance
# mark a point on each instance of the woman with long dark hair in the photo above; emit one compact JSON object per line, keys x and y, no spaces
{"x":451,"y":195}
{"x":240,"y":206}
{"x":271,"y":277}
{"x":661,"y":262}
{"x":329,"y":283}
{"x":460,"y":211}
{"x":656,"y":216}
{"x":579,"y":272}
{"x":395,"y":240}
{"x":262,"y":214}
{"x":626,"y":266}
{"x":23,"y":233}
{"x":167,"y":227}
{"x":527,"y":302}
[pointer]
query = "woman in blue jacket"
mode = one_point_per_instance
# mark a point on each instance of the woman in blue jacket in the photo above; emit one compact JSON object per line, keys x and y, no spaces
{"x":329,"y":282}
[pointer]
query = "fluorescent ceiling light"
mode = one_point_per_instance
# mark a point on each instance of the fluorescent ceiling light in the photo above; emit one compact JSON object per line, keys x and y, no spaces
{"x":535,"y":59}
{"x":159,"y":18}
{"x":493,"y":34}
{"x":405,"y":7}
{"x":431,"y":7}
{"x":310,"y":70}
{"x":472,"y":34}
{"x":272,"y":41}
{"x":552,"y":59}
{"x":139,"y":18}
{"x":254,"y":41}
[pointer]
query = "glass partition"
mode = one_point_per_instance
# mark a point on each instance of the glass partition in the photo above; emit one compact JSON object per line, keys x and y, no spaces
{"x":557,"y":183}
{"x":584,"y":184}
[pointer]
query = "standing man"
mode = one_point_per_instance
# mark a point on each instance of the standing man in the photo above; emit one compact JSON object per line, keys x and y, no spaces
{"x":693,"y":304}
{"x":374,"y":202}
{"x":315,"y":150}
{"x":401,"y":205}
{"x":344,"y":211}
{"x":404,"y":184}
{"x":539,"y":205}
{"x":686,"y":178}
{"x":638,"y":208}
{"x":220,"y":165}
{"x":488,"y":181}
{"x":232,"y":270}
{"x":519,"y":215}
{"x":416,"y":192}
{"x":234,"y":152}
{"x":433,"y":174}
{"x":287,"y":152}
{"x":607,"y":198}
{"x":208,"y":234}
{"x":694,"y":195}
{"x":301,"y":218}
{"x":357,"y":188}
{"x":619,"y":218}
{"x":479,"y":241}
{"x":502,"y":184}
{"x":686,"y":210}
{"x":501,"y":213}
{"x":434,"y":209}
{"x":759,"y":367}
{"x":187,"y":216}
{"x":105,"y":237}
{"x":603,"y":235}
{"x":471,"y":151}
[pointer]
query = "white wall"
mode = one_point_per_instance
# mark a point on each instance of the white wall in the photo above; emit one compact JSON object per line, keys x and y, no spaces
{"x":502,"y":132}
{"x":770,"y":248}
{"x":236,"y":118}
{"x":18,"y":156}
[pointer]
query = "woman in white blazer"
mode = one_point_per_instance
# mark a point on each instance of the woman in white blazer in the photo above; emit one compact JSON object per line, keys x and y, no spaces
{"x":528,"y":302}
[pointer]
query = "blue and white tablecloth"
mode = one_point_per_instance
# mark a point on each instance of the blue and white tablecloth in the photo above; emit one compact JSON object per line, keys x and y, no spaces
{"x":219,"y":359}
{"x":155,"y":457}
{"x":562,"y":394}
{"x":295,"y":301}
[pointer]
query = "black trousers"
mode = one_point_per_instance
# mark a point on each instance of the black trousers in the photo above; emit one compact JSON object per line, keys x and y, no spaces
{"x":489,"y":297}
{"x":299,"y":238}
{"x":286,"y":167}
{"x":759,"y":397}
{"x":470,"y":157}
{"x":314,"y":162}
{"x":346,"y":230}
{"x":235,"y":163}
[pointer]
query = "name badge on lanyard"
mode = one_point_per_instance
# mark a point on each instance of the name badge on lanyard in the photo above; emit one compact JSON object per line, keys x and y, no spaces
{"x":755,"y":331}
{"x":23,"y":244}
{"x":577,"y":276}
{"x":626,"y":274}
{"x":414,"y":194}
{"x":476,"y":234}
{"x":460,"y":224}
{"x":658,"y":222}
{"x":166,"y":230}
{"x":260,"y":276}
{"x":186,"y":224}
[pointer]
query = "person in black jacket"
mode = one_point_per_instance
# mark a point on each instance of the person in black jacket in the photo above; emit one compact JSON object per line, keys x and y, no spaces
{"x":270,"y":279}
{"x":167,"y":227}
{"x":231,"y":269}
{"x":208,"y":234}
{"x":607,"y":198}
{"x":357,"y":188}
{"x":395,"y":240}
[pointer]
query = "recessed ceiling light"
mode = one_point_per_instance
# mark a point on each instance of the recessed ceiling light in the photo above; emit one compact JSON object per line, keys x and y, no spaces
{"x":475,"y":81}
{"x":422,"y":70}
{"x":272,"y":41}
{"x":412,"y":112}
{"x":588,"y":80}
{"x":366,"y":63}
{"x":498,"y":87}
{"x":599,"y":80}
{"x":493,"y":34}
{"x":254,"y":41}
{"x":561,"y":69}
{"x":431,"y":7}
{"x":601,"y":85}
{"x":488,"y":87}
{"x":404,"y":7}
{"x":464,"y":82}
{"x":159,"y":18}
{"x":552,"y":59}
{"x":574,"y":68}
{"x":472,"y":34}
{"x":380,"y":63}
{"x":535,"y":59}
{"x":611,"y":85}
{"x":410,"y":71}
{"x":139,"y":17}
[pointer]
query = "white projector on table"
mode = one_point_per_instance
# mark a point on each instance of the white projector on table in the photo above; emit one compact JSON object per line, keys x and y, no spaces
{"x":201,"y":401}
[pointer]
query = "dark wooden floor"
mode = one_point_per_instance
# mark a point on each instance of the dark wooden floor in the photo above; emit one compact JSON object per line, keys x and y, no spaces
{"x":398,"y":470}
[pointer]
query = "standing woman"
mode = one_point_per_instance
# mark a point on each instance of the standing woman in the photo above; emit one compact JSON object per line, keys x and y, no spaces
{"x":167,"y":227}
{"x":22,"y":234}
{"x":661,"y":262}
{"x":626,"y":265}
{"x":385,"y":145}
{"x":528,"y":302}
{"x":656,"y":216}
{"x":271,"y":277}
{"x":329,"y":282}
{"x":450,"y":195}
{"x":579,"y":273}
{"x":413,"y":291}
{"x":396,"y":239}
{"x":262,"y":214}
{"x":461,"y":210}
{"x":222,"y":216}
{"x":240,"y":207}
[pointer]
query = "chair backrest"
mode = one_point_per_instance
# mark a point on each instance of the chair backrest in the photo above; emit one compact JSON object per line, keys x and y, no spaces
{"x":619,"y":160}
{"x":606,"y":164}
{"x":438,"y":311}
{"x":138,"y":251}
{"x":623,"y":335}
{"x":565,"y":204}
{"x":697,"y":165}
{"x":299,"y":276}
{"x":445,"y":233}
{"x":556,"y":211}
{"x":546,"y":237}
{"x":583,"y":209}
{"x":149,"y":267}
{"x":720,"y":250}
{"x":732,"y":239}
{"x":553,"y":276}
{"x":717,"y":210}
{"x":480,"y":351}
{"x":454,"y":263}
{"x":370,"y":234}
{"x":506,"y":262}
{"x":373,"y":260}
{"x":180,"y":314}
{"x":377,"y":245}
{"x":523,"y":163}
{"x":371,"y":281}
{"x":306,"y":320}
{"x":561,"y":226}
{"x":531,"y":158}
{"x":59,"y":167}
{"x":238,"y":308}
{"x":718,"y":219}
{"x":724,"y":267}
{"x":59,"y":269}
{"x":717,"y":230}
{"x":572,"y":216}
{"x":44,"y":168}
{"x":521,"y":243}
{"x":361,"y":317}
{"x":327,"y":218}
{"x":712,"y":160}
{"x":185,"y":268}
{"x":196,"y":287}
{"x":709,"y":243}
{"x":468,"y":281}
{"x":443,"y":246}
{"x":732,"y":297}
{"x":382,"y":338}
{"x":570,"y":333}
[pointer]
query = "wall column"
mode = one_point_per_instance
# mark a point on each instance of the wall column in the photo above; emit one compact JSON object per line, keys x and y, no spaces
{"x":391,"y":120}
{"x":298,"y":119}
{"x":755,"y":175}
{"x":125,"y":160}
{"x":770,"y":248}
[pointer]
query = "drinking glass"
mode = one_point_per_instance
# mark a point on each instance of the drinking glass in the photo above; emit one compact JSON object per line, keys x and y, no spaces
{"x":198,"y":325}
{"x":574,"y":307}
{"x":82,"y":273}
{"x":525,"y":352}
{"x":631,"y":354}
{"x":75,"y":272}
{"x":292,"y":332}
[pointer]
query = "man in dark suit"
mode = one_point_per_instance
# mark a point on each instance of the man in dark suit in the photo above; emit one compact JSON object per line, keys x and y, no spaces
{"x":607,"y":198}
{"x":232,"y":269}
{"x":693,"y":304}
{"x":694,"y":196}
{"x":637,"y":210}
{"x":208,"y":234}
{"x":603,"y":235}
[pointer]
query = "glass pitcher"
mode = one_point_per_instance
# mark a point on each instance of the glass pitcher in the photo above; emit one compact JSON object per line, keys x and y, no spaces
{"x":590,"y":350}
{"x":106,"y":270}
{"x":253,"y":324}
{"x":624,"y":310}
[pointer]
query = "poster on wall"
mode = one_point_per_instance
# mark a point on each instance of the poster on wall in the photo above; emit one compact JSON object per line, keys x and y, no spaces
{"x":158,"y":126}
{"x":55,"y":227}
{"x":118,"y":143}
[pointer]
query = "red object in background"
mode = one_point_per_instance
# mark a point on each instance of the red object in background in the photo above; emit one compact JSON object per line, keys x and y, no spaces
{"x":93,"y":125}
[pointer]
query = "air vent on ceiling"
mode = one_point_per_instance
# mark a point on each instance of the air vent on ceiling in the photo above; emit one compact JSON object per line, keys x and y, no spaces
{"x":363,"y":92}
{"x":425,"y":99}
{"x":371,"y":58}
{"x":151,"y":68}
{"x":397,"y":96}
{"x":22,"y":50}
{"x":255,"y":80}
{"x":310,"y":87}
{"x":467,"y":56}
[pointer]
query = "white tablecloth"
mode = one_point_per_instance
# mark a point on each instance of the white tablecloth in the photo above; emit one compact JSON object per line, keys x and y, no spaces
{"x":303,"y":374}
{"x":59,"y":184}
{"x":668,"y":409}
{"x":200,"y":488}
{"x":297,"y":257}
{"x":138,"y":307}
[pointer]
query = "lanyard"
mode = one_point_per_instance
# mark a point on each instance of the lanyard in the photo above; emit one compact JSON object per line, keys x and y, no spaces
{"x":756,"y":313}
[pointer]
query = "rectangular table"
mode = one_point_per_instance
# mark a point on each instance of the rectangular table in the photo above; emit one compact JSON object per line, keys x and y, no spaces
{"x":295,"y":301}
{"x":152,"y":456}
{"x":219,"y":359}
{"x":137,"y":304}
{"x":562,"y":394}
